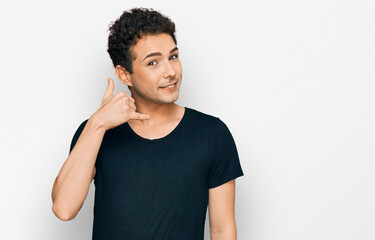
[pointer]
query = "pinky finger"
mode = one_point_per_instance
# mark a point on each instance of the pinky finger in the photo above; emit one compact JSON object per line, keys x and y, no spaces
{"x":140,"y":116}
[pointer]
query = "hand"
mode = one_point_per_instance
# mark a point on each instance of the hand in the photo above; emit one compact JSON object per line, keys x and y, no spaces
{"x":117,"y":109}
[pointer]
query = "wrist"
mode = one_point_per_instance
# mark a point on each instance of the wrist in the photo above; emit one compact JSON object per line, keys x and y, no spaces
{"x":96,"y":123}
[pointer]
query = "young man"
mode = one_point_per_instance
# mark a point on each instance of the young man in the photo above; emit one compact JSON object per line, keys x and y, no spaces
{"x":156,"y":165}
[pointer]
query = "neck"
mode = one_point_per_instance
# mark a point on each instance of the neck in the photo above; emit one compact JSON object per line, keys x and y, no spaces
{"x":159,"y":113}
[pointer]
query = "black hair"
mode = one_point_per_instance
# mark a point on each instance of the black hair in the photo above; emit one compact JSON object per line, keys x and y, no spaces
{"x":131,"y":26}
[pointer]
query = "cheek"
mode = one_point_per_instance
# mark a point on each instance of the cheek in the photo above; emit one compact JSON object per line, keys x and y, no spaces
{"x":151,"y":78}
{"x":177,"y":67}
{"x":147,"y":76}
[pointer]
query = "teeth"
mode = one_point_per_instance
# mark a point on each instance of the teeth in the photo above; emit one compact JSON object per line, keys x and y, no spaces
{"x":170,"y":86}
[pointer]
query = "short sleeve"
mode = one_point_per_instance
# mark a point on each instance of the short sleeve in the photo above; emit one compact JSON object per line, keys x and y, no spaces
{"x":225,"y":163}
{"x":77,"y":134}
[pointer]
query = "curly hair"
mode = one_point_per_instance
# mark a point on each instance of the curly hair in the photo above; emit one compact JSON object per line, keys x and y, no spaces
{"x":130,"y":27}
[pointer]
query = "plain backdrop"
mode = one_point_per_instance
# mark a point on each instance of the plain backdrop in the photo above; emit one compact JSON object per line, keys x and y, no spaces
{"x":293,"y":80}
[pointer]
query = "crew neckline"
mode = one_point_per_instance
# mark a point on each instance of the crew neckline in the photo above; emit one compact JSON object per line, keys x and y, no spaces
{"x":147,"y":140}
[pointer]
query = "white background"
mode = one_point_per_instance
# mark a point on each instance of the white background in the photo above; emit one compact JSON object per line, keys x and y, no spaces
{"x":293,"y":80}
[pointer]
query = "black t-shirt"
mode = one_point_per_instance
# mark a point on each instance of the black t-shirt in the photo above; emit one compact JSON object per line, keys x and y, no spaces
{"x":158,"y":188}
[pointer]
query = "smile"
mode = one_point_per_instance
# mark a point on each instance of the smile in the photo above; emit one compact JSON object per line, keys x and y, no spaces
{"x":170,"y":87}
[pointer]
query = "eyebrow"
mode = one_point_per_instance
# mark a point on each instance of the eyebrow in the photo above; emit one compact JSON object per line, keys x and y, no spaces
{"x":159,"y":54}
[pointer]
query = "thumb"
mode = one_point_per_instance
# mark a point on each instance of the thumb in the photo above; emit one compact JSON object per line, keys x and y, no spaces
{"x":110,"y":87}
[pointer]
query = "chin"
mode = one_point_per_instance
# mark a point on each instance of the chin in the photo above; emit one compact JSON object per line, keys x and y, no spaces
{"x":171,"y":99}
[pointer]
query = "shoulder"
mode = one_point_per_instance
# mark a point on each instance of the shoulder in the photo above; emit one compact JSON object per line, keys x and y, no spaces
{"x":202,"y":118}
{"x":212,"y":122}
{"x":81,"y":127}
{"x":208,"y":125}
{"x":77,"y":133}
{"x":83,"y":124}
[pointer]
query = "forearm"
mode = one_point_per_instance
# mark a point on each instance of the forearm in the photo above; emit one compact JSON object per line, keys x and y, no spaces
{"x":73,"y":182}
{"x":229,"y":233}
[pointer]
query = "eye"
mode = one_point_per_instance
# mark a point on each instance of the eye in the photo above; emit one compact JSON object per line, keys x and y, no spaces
{"x":176,"y":56}
{"x":150,"y":63}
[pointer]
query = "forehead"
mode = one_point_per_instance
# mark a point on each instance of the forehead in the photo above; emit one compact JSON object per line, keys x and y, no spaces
{"x":161,"y":42}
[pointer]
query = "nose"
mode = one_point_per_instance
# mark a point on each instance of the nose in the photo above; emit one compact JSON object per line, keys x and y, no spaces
{"x":169,"y":71}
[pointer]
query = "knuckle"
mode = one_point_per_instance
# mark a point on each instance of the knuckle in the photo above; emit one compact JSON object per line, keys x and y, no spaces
{"x":121,"y":93}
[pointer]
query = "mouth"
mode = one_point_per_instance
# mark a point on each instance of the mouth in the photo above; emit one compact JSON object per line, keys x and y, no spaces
{"x":170,"y":86}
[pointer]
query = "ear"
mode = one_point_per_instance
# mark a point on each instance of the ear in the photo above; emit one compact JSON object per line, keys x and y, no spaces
{"x":123,"y":75}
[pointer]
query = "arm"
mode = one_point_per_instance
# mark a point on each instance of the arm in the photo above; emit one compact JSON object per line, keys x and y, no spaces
{"x":221,"y":212}
{"x":73,"y":182}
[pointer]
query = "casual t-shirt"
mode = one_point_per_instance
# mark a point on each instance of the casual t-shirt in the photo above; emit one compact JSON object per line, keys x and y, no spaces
{"x":158,"y":188}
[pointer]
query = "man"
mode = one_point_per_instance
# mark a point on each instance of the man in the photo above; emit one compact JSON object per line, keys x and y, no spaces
{"x":156,"y":165}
